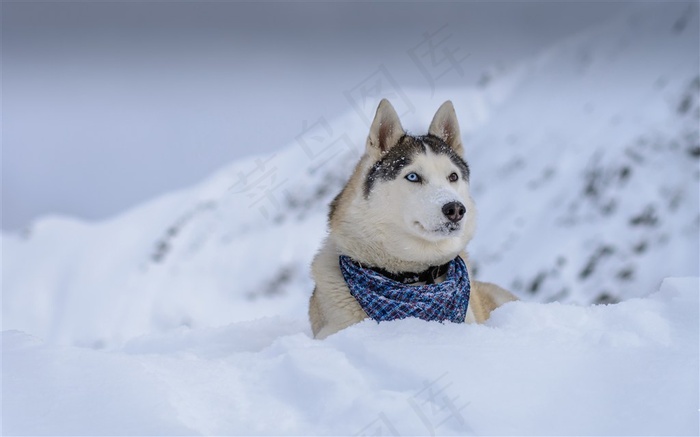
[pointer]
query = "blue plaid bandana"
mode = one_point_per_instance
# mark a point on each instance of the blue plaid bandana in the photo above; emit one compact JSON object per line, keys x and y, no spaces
{"x":384,"y":299}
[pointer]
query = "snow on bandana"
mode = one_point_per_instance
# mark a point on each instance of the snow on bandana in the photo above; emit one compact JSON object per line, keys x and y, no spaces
{"x":384,"y":299}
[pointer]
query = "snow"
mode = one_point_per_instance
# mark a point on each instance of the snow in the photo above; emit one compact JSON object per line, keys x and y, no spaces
{"x":534,"y":369}
{"x":187,"y":314}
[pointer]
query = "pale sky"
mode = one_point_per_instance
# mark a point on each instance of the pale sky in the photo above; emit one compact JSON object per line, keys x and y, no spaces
{"x":108,"y":104}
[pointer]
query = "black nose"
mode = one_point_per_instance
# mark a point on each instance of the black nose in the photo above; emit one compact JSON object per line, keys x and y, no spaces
{"x":454,"y":211}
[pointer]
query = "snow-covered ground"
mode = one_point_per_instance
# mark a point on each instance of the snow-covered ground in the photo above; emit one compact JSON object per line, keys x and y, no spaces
{"x":188,"y":314}
{"x":535,"y":369}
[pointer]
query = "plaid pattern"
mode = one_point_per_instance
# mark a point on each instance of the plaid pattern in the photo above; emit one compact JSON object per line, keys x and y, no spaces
{"x":385,"y":299}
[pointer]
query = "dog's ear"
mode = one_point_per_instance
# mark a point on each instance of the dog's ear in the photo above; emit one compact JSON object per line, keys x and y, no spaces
{"x":386,"y":130}
{"x":446,"y":127}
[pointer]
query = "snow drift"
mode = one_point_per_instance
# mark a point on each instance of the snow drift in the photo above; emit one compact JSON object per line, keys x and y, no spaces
{"x":534,"y":369}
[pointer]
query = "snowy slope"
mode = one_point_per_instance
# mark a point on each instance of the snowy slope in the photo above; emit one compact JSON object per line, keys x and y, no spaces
{"x":584,"y":168}
{"x":588,"y":182}
{"x":535,"y":369}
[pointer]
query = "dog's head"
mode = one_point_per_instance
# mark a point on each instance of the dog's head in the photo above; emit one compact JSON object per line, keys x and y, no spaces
{"x":408,"y":202}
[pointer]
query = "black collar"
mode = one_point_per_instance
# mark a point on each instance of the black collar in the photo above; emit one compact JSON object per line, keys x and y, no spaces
{"x":428,"y":276}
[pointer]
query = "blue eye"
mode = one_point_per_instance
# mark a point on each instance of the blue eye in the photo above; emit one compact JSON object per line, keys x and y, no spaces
{"x":413,"y":177}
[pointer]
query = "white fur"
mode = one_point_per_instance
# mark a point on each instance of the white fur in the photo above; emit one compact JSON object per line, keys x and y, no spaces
{"x":400,"y":226}
{"x":400,"y":218}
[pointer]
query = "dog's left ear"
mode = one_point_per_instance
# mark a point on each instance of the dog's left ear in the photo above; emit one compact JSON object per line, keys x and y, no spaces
{"x":446,"y":127}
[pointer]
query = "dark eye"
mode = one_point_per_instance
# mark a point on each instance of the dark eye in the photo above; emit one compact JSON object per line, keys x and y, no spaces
{"x":453,"y":177}
{"x":413,"y":177}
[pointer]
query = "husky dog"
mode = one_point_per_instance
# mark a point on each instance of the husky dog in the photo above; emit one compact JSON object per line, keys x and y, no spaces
{"x":405,"y":210}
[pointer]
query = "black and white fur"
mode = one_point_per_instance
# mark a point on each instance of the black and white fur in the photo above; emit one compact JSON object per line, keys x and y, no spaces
{"x":406,"y":208}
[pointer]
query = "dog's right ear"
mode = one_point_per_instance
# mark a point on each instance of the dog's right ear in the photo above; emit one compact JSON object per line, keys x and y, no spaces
{"x":446,"y":127}
{"x":386,"y":130}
